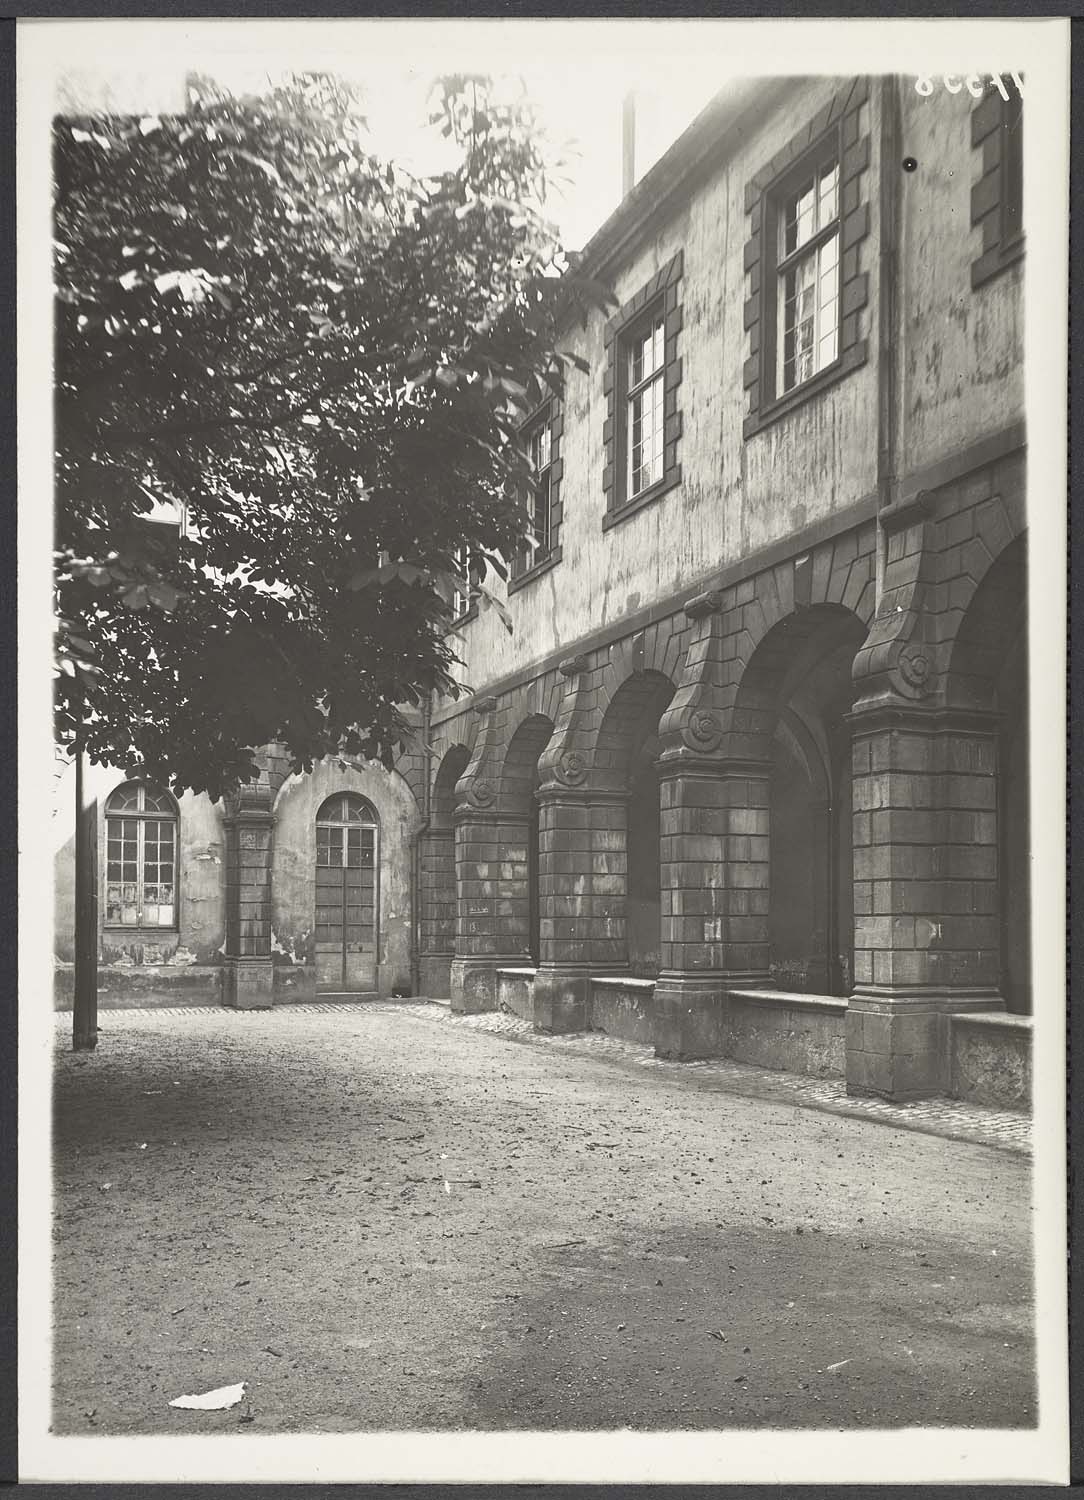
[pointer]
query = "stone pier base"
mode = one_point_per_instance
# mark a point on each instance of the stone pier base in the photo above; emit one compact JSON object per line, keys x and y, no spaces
{"x":562,"y":997}
{"x":248,"y":983}
{"x":473,"y":982}
{"x":897,"y":1044}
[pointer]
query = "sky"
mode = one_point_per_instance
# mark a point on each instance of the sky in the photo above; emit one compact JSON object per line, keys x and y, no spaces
{"x":672,"y":68}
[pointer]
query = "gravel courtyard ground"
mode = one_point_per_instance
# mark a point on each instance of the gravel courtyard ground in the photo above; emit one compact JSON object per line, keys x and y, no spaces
{"x":385,"y":1217}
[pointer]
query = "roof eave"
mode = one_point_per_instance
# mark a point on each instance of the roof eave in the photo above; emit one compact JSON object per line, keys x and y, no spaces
{"x":714,"y":135}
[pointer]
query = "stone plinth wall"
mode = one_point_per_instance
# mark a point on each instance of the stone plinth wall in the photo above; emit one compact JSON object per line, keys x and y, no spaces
{"x":131,"y":988}
{"x":990,"y":1059}
{"x":515,"y":992}
{"x":623,"y":1007}
{"x":293,"y":983}
{"x":790,"y":1032}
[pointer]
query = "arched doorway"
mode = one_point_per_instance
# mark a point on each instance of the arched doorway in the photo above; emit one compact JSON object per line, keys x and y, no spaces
{"x":519,"y":802}
{"x":989,"y":671}
{"x":436,"y":880}
{"x":798,"y":690}
{"x":347,"y":895}
{"x":626,"y":754}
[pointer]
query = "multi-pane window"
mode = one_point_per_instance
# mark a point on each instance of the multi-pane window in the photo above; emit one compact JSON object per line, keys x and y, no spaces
{"x":538,"y":497}
{"x":346,"y":833}
{"x":541,"y":460}
{"x":141,"y":857}
{"x":641,"y":435}
{"x":807,"y":268}
{"x":462,"y":596}
{"x":807,"y":287}
{"x":646,"y":368}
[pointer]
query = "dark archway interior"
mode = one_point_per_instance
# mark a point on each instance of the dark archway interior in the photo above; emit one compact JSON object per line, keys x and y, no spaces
{"x":989,"y":670}
{"x":800,"y":685}
{"x":628,"y":747}
{"x":437,"y":893}
{"x":643,"y":912}
{"x":519,"y":798}
{"x":451,"y":769}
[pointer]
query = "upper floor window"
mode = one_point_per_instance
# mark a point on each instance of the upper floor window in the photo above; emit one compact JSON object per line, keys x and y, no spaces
{"x":463,"y":595}
{"x":541,"y":462}
{"x":997,"y":198}
{"x":808,"y":215}
{"x":141,"y":857}
{"x":643,"y":426}
{"x":541,"y":438}
{"x":644,"y":394}
{"x":807,"y":297}
{"x":539,"y":447}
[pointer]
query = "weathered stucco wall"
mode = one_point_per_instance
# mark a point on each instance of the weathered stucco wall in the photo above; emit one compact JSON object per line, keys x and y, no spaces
{"x":963,"y":365}
{"x":293,"y":876}
{"x":735,"y":496}
{"x":201,"y":912}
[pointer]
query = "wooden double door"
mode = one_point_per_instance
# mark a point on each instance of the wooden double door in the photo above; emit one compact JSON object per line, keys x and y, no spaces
{"x":347,"y":896}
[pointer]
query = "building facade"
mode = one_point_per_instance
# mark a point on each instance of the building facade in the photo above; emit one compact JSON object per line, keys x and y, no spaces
{"x":749,"y":775}
{"x":298,"y":886}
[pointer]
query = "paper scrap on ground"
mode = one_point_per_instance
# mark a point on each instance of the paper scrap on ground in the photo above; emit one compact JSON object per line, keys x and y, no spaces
{"x":226,"y":1395}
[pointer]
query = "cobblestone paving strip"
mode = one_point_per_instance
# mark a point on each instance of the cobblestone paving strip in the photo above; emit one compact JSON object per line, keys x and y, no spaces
{"x":1002,"y":1129}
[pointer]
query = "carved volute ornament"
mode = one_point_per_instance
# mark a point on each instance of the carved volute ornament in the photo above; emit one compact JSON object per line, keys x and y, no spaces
{"x":695,"y":720}
{"x":476,"y":789}
{"x":915,"y":666}
{"x":566,"y":760}
{"x":892,"y":664}
{"x":702,"y":731}
{"x":571,"y":768}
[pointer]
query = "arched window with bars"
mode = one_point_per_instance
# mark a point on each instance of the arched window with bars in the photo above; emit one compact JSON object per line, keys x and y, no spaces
{"x":141,"y":823}
{"x":347,"y":895}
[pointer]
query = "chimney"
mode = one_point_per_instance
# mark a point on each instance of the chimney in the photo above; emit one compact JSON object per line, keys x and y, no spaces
{"x":628,"y":143}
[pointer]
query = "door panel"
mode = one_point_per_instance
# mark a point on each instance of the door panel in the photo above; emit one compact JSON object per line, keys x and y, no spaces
{"x":346,"y":909}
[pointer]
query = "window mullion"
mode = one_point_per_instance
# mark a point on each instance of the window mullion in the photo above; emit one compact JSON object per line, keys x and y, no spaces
{"x":813,"y":243}
{"x":140,"y":851}
{"x":637,"y":390}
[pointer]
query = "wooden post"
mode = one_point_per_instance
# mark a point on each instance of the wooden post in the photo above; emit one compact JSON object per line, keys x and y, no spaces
{"x":85,"y":1009}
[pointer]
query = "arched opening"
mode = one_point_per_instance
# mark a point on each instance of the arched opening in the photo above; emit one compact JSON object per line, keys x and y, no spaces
{"x":141,"y":857}
{"x":643,"y":914}
{"x":436,"y":879}
{"x":347,"y":923}
{"x":451,"y":768}
{"x":519,"y":806}
{"x":626,"y":755}
{"x":798,"y":690}
{"x":989,"y":671}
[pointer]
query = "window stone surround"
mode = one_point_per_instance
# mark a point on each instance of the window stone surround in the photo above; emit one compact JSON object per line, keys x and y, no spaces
{"x":841,"y":116}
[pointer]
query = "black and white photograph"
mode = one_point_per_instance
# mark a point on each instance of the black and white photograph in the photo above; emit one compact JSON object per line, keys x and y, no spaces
{"x":542,"y":675}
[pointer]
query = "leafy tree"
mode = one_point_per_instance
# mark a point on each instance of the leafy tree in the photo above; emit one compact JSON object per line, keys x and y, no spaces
{"x":320,"y":362}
